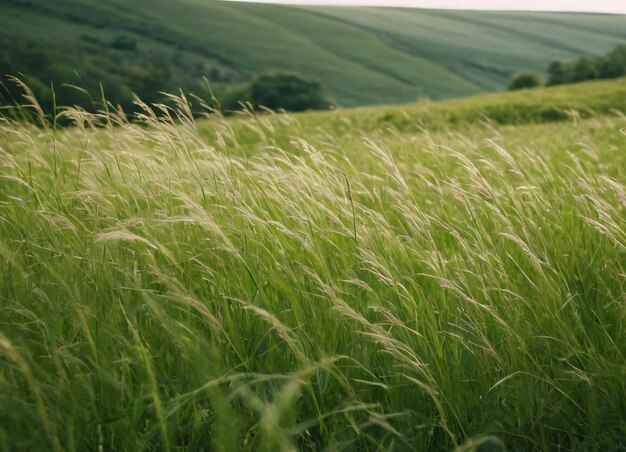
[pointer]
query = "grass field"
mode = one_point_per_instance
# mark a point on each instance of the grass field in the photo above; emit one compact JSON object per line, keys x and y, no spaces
{"x":364,"y":56}
{"x":411,"y":278}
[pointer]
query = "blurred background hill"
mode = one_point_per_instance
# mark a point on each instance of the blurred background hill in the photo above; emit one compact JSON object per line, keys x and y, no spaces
{"x":361,"y":56}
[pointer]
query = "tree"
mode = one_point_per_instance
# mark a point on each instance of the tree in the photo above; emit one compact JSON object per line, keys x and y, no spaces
{"x":287,"y":91}
{"x":558,"y":73}
{"x":612,"y":64}
{"x":525,"y":80}
{"x":584,"y":69}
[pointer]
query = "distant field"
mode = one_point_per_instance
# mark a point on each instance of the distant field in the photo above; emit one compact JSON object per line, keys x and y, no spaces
{"x":439,"y":276}
{"x":364,"y":56}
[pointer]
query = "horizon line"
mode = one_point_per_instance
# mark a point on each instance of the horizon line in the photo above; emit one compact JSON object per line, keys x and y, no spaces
{"x":432,"y":5}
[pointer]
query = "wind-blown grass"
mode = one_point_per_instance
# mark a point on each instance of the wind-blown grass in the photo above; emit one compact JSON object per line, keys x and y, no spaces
{"x":271,"y":282}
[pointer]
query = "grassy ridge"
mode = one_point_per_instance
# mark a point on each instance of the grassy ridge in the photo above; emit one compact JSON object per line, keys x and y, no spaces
{"x":362,"y":55}
{"x":306,"y":282}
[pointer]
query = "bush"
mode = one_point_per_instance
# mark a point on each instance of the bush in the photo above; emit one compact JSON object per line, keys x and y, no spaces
{"x":559,"y":72}
{"x":584,"y":69}
{"x":525,"y":80}
{"x":287,"y":91}
{"x":612,"y":64}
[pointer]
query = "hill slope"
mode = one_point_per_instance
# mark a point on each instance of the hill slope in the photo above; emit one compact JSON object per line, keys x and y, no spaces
{"x":362,"y":55}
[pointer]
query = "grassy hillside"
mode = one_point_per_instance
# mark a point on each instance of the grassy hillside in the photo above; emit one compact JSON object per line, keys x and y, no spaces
{"x":414,"y":278}
{"x":362,"y":55}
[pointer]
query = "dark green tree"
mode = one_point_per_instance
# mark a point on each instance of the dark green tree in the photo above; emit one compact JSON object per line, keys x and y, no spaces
{"x":287,"y":91}
{"x":558,"y":73}
{"x":584,"y":69}
{"x":525,"y":80}
{"x":612,"y":64}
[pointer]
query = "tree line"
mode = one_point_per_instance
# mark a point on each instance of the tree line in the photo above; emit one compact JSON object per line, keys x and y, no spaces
{"x":119,"y":71}
{"x":607,"y":66}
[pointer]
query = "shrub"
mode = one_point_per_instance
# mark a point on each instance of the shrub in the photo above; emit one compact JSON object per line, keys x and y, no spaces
{"x":584,"y":69}
{"x":612,"y":64}
{"x":558,"y":73}
{"x":287,"y":91}
{"x":525,"y":80}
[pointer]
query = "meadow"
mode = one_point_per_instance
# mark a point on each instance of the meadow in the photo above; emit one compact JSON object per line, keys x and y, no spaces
{"x":439,"y":276}
{"x":363,"y":56}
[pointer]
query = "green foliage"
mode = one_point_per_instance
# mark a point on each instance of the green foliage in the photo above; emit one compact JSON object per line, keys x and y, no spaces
{"x":279,"y":91}
{"x":409,"y":278}
{"x":44,"y":68}
{"x":525,"y":80}
{"x":285,"y":91}
{"x":78,"y":75}
{"x":611,"y":65}
{"x":124,"y":43}
{"x":558,"y":73}
{"x":584,"y":69}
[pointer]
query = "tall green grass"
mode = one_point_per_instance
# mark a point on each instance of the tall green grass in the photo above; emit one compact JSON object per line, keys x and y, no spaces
{"x":274,"y":282}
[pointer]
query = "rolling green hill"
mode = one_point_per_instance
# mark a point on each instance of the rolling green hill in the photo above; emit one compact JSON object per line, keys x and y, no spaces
{"x":362,"y":55}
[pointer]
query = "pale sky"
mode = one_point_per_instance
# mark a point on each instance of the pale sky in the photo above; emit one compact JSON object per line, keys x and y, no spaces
{"x":599,"y":6}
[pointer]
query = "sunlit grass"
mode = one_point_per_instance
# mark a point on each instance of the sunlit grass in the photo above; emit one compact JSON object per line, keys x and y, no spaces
{"x":278,"y":283}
